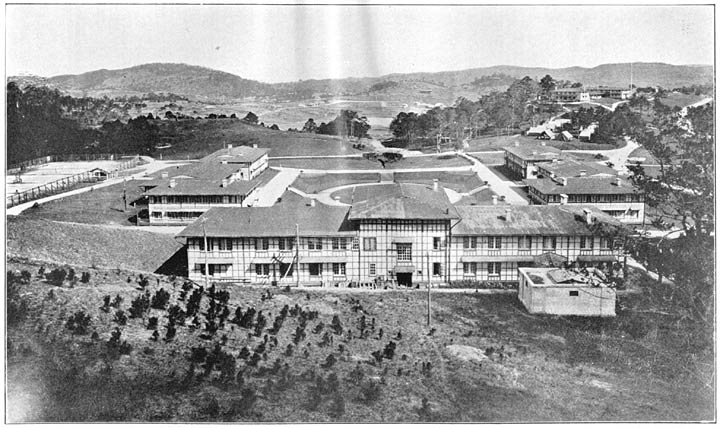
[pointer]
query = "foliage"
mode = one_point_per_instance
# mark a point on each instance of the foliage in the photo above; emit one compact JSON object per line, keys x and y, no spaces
{"x":16,"y":305}
{"x":139,"y":306}
{"x":347,"y":123}
{"x":251,"y":118}
{"x":56,"y":277}
{"x":79,"y":323}
{"x":160,"y":299}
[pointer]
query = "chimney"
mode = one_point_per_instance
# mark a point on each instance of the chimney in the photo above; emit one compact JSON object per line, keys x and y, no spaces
{"x":164,"y":175}
{"x":542,"y":143}
{"x":173,"y":183}
{"x":583,"y":173}
{"x":563,"y":199}
{"x":588,"y":215}
{"x":508,"y":217}
{"x":229,"y":146}
{"x":312,"y":202}
{"x":225,"y":182}
{"x":563,"y":181}
{"x":554,"y":160}
{"x":337,"y":198}
{"x":517,"y":143}
{"x":254,"y":146}
{"x":436,"y":187}
{"x":618,"y":183}
{"x":224,"y":161}
{"x":494,"y":199}
{"x":534,"y":152}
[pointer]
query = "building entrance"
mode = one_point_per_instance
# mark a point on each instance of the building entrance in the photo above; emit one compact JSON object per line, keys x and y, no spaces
{"x":404,"y":279}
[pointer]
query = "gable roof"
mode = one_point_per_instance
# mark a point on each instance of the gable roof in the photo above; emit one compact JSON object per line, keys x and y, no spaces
{"x":569,"y":167}
{"x":205,"y":186}
{"x":401,"y":201}
{"x":600,"y":185}
{"x":277,"y":220}
{"x":236,"y":154}
{"x":549,"y":220}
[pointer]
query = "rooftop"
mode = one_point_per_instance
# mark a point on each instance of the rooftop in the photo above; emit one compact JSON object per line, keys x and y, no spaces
{"x":278,"y":220}
{"x":534,"y":152}
{"x":205,"y":186}
{"x":236,"y":154}
{"x":555,"y":277}
{"x":527,"y":220}
{"x":401,"y":201}
{"x":597,"y":185}
{"x":569,"y":167}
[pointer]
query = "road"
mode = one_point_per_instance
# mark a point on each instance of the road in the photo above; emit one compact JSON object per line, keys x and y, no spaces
{"x":273,"y":189}
{"x":497,"y":184}
{"x":618,"y":157}
{"x":150,"y":167}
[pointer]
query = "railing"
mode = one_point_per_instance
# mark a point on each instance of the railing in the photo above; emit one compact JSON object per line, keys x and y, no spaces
{"x":21,"y":166}
{"x":58,"y":186}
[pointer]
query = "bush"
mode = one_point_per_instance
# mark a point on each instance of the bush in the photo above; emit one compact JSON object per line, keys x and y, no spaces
{"x":120,"y":317}
{"x":152,"y":323}
{"x":17,"y":307}
{"x":370,"y":392}
{"x":160,"y":299}
{"x":139,"y":306}
{"x":244,"y":405}
{"x":85,"y":277}
{"x":336,"y":325}
{"x":78,"y":323}
{"x":115,"y":347}
{"x":56,"y":277}
{"x":71,"y":274}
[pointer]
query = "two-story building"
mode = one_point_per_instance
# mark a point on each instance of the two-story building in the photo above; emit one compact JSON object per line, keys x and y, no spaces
{"x":523,"y":159}
{"x":569,"y":167}
{"x":226,"y":178}
{"x":402,"y":233}
{"x":615,"y":196}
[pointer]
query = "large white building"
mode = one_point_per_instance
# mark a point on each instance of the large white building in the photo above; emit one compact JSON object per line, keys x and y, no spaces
{"x":399,"y":233}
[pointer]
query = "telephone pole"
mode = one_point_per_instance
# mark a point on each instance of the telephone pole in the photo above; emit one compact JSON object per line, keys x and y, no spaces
{"x":205,"y":244}
{"x":297,"y":255}
{"x":428,"y":288}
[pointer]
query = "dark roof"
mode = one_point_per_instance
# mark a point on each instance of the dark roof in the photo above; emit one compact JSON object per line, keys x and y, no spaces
{"x":534,"y":152}
{"x":598,"y":185}
{"x":571,"y":168}
{"x":527,"y":220}
{"x":401,"y":201}
{"x":482,"y":197}
{"x":569,"y":90}
{"x":278,"y":220}
{"x":193,"y":186}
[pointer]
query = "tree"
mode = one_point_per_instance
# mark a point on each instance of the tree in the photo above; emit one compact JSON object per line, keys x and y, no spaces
{"x":250,"y":118}
{"x":310,"y":126}
{"x":547,"y":83}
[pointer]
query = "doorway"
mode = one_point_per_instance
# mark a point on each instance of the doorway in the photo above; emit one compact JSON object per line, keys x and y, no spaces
{"x":404,"y":279}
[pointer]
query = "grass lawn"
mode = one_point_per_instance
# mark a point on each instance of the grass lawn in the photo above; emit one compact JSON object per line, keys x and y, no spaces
{"x":443,"y":161}
{"x":458,"y":181}
{"x":678,"y":99}
{"x":642,"y":152}
{"x":489,"y":158}
{"x":197,"y":138}
{"x":589,"y":156}
{"x":313,"y":183}
{"x":484,"y":359}
{"x":89,"y":245}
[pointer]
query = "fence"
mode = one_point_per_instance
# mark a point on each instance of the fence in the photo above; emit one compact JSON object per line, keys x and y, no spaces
{"x":19,"y":167}
{"x":58,"y":186}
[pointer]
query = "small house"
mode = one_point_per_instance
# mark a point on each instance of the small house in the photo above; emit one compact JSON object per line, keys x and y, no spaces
{"x":99,"y":174}
{"x":565,"y":136}
{"x":546,"y":135}
{"x":556,"y":291}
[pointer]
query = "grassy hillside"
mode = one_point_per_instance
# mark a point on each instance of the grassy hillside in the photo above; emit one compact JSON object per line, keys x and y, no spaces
{"x":483,"y":359}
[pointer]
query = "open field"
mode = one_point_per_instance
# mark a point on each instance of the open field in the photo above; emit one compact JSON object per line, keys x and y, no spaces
{"x":43,"y":174}
{"x":680,"y":100}
{"x":483,"y":359}
{"x":484,"y":144}
{"x":459,"y":181}
{"x":442,"y":161}
{"x":313,"y":183}
{"x":88,"y":245}
{"x":489,"y":158}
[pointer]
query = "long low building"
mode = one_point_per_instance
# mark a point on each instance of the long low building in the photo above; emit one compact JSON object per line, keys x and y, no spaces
{"x":402,"y":233}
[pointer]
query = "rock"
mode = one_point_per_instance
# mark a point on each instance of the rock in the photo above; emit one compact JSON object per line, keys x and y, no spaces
{"x":552,"y":338}
{"x":600,"y":384}
{"x":466,"y":353}
{"x":361,"y":359}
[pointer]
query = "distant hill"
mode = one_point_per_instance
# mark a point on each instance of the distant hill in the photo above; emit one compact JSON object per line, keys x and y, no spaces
{"x":204,"y":83}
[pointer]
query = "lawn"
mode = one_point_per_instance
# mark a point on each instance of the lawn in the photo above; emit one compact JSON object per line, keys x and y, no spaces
{"x":441,"y":161}
{"x":678,"y":99}
{"x":197,"y":138}
{"x":313,"y":183}
{"x":460,"y":181}
{"x":489,"y":158}
{"x":89,"y":245}
{"x":339,"y":357}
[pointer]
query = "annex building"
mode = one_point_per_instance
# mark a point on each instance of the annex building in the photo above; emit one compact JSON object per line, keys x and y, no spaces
{"x":225,"y":178}
{"x":393,"y":233}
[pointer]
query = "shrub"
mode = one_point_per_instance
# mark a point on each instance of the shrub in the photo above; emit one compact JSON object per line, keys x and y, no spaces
{"x":329,"y":361}
{"x":85,"y":277}
{"x":160,"y":299}
{"x":17,"y":306}
{"x":71,"y":274}
{"x":357,"y":375}
{"x":247,"y":400}
{"x":78,"y":323}
{"x":144,"y":282}
{"x":56,"y":277}
{"x":139,"y":306}
{"x":176,"y":315}
{"x":389,"y":351}
{"x":370,"y":392}
{"x":117,"y":302}
{"x":198,"y":355}
{"x":338,"y":406}
{"x":170,"y":334}
{"x":120,"y":317}
{"x":152,"y":323}
{"x":117,"y":348}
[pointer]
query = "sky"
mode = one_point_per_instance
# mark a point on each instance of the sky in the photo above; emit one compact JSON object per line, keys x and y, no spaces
{"x":288,"y":43}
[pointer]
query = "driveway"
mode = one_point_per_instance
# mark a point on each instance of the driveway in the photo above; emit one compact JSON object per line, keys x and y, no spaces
{"x":497,"y":184}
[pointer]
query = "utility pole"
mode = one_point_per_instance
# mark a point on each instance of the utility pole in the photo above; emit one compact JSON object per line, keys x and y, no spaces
{"x":297,"y":255}
{"x":205,"y":243}
{"x":427,"y":254}
{"x":124,"y":197}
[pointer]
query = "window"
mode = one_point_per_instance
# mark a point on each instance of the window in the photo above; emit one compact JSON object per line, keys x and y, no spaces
{"x":633,"y":213}
{"x":339,"y":244}
{"x":225,"y":244}
{"x":606,"y":243}
{"x":469,"y":268}
{"x":404,"y":252}
{"x":549,"y":242}
{"x":314,"y":243}
{"x":219,"y":270}
{"x":199,"y":268}
{"x":370,"y":244}
{"x":339,"y":269}
{"x":315,"y":269}
{"x":262,"y":269}
{"x":437,"y":243}
{"x":157,"y":214}
{"x":469,"y":242}
{"x":286,"y":243}
{"x":494,"y":268}
{"x":371,"y":269}
{"x":262,"y":244}
{"x":574,"y":293}
{"x":286,"y":269}
{"x":437,"y":269}
{"x":495,"y":242}
{"x":586,"y":242}
{"x":524,"y":242}
{"x":355,"y":243}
